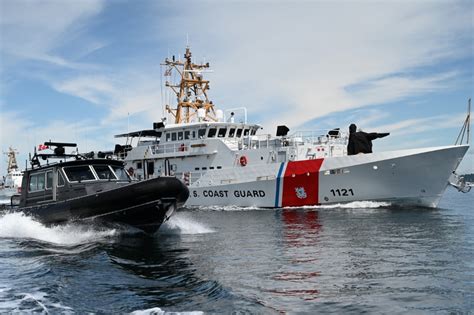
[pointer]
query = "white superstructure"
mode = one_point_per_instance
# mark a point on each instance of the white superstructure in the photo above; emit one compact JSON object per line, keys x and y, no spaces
{"x":225,"y":161}
{"x":11,"y":182}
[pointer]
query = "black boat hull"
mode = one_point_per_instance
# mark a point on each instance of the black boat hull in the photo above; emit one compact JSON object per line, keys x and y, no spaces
{"x":144,"y":205}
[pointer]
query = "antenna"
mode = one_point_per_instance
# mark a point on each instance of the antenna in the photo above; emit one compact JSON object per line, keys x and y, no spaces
{"x":466,"y":127}
{"x":468,"y":120}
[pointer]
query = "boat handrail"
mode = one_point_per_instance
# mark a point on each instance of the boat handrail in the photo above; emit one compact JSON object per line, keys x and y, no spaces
{"x":165,"y":148}
{"x":320,"y":136}
{"x":298,"y":138}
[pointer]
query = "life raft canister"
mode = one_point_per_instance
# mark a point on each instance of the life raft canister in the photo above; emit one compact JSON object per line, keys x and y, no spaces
{"x":243,"y":160}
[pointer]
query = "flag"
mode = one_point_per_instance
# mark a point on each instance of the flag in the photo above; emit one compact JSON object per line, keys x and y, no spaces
{"x":42,"y":147}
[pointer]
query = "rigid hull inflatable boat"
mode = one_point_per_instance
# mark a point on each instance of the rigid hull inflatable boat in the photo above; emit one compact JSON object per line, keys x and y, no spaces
{"x":95,"y":189}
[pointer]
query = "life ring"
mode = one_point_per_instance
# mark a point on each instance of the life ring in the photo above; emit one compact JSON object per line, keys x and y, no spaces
{"x":131,"y":171}
{"x":182,"y":147}
{"x":243,"y":160}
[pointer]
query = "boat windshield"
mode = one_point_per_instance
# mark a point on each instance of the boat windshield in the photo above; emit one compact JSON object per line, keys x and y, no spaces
{"x":104,"y":172}
{"x":121,"y":173}
{"x":79,"y":173}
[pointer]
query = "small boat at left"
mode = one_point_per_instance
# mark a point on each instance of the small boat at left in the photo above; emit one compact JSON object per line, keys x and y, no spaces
{"x":80,"y":188}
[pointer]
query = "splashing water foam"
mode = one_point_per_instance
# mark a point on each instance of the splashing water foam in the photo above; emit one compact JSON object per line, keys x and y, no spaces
{"x":18,"y":225}
{"x":349,"y":205}
{"x":230,"y":208}
{"x":356,"y":205}
{"x":159,"y":311}
{"x":182,"y":224}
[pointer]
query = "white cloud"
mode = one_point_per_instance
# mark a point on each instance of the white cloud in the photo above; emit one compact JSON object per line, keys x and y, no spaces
{"x":122,"y":92}
{"x":97,"y":89}
{"x":34,"y":29}
{"x":400,"y":87}
{"x":24,"y":134}
{"x":417,"y":125}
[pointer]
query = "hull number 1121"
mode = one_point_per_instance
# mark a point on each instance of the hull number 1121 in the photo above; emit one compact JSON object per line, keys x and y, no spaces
{"x":342,"y":192}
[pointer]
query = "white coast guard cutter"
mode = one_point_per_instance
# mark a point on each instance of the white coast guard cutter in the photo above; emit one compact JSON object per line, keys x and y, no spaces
{"x":224,"y":161}
{"x":11,"y":183}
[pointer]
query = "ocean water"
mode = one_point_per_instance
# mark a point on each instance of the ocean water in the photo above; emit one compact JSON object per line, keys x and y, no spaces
{"x":363,"y":257}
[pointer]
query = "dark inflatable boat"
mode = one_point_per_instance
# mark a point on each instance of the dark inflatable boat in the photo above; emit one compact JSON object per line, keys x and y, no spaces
{"x":78,"y":189}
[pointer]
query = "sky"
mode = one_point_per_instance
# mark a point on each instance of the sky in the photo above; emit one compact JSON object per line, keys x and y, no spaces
{"x":85,"y":70}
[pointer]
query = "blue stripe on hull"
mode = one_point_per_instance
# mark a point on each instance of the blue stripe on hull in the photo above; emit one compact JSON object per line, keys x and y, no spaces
{"x":277,"y":195}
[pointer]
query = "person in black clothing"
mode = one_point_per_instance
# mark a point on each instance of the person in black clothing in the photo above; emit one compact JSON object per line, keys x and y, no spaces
{"x":361,"y":142}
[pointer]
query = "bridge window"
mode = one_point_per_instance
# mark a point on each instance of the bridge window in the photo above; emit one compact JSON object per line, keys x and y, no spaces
{"x":201,"y":133}
{"x":212,"y":132}
{"x":231,"y":132}
{"x":173,"y":136}
{"x":253,"y":132}
{"x":187,"y":134}
{"x":180,"y":135}
{"x":222,"y":132}
{"x":239,"y":132}
{"x":246,"y":132}
{"x":168,"y":137}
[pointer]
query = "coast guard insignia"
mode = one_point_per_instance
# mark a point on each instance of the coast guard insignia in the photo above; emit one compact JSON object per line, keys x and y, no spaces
{"x":300,"y":192}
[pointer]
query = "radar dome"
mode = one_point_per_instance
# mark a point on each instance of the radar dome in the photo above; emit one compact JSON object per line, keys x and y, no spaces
{"x":201,"y":113}
{"x":219,"y":115}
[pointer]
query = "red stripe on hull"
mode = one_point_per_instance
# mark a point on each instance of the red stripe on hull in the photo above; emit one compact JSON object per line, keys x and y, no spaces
{"x":301,"y":183}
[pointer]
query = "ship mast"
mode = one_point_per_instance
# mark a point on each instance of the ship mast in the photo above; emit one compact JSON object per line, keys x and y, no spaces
{"x":191,"y":91}
{"x":12,"y":164}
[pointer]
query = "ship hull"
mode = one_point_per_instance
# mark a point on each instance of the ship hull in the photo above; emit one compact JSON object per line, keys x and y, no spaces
{"x":407,"y":177}
{"x":6,"y":193}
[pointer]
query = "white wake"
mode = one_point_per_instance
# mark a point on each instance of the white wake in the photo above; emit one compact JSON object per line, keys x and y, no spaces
{"x":181,"y":223}
{"x":159,"y":311}
{"x":18,"y":225}
{"x":355,"y":205}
